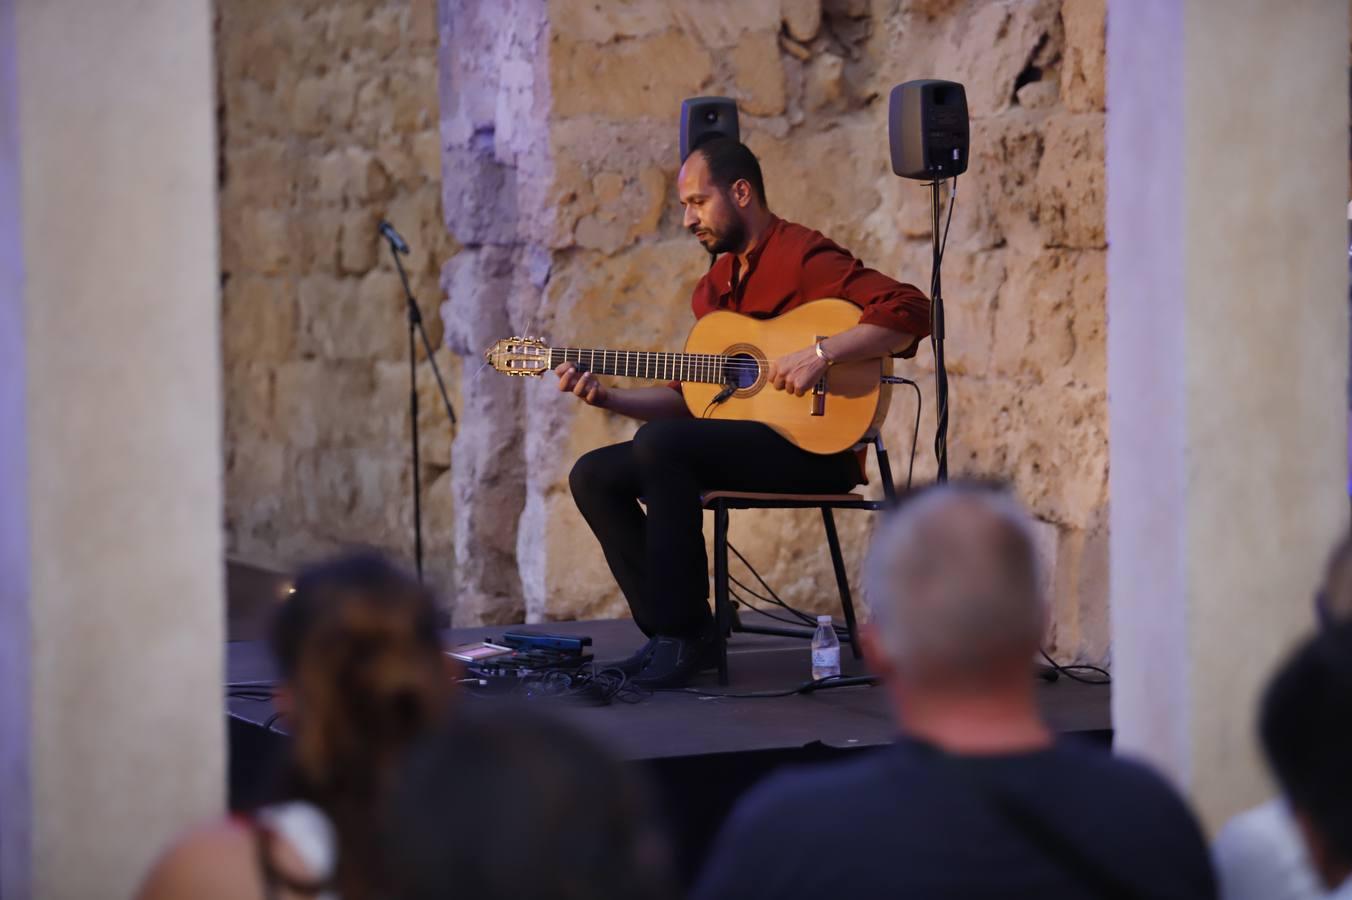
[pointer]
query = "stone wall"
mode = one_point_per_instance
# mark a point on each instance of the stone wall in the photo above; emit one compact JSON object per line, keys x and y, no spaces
{"x":328,"y":123}
{"x":559,"y":152}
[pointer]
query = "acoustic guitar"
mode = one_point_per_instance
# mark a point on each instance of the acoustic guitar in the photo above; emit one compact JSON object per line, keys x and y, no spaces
{"x":723,"y":373}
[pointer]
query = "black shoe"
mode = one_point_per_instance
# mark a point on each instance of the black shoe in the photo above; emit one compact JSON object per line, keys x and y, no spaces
{"x":631,"y":665}
{"x":675,"y":661}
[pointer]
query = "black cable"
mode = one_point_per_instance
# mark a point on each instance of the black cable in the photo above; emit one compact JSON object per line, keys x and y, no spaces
{"x":811,"y":621}
{"x":765,"y":612}
{"x":1069,"y":671}
{"x":802,"y":617}
{"x":915,"y":432}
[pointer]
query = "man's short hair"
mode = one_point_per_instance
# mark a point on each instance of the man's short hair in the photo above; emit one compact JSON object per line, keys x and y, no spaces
{"x":953,"y":581}
{"x":1306,"y":727}
{"x":730,"y":161}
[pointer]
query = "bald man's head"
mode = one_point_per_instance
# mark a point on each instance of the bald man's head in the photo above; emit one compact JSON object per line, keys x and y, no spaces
{"x":953,"y":585}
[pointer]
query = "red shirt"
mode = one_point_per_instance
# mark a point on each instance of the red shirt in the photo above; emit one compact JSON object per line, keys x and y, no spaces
{"x":793,"y":265}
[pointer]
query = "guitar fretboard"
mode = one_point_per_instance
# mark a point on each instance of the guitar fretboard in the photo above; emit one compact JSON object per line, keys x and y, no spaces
{"x":696,"y":367}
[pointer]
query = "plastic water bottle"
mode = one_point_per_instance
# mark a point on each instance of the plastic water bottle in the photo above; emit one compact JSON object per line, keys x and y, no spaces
{"x":825,"y":650}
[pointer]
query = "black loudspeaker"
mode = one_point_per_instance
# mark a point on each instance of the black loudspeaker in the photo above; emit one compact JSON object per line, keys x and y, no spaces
{"x":927,"y":128}
{"x":703,"y":118}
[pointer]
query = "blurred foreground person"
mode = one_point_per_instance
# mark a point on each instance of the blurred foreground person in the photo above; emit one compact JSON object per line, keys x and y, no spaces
{"x":1260,"y":854}
{"x":977,"y":798}
{"x":363,"y":676}
{"x":511,"y":804}
{"x":1306,"y":725}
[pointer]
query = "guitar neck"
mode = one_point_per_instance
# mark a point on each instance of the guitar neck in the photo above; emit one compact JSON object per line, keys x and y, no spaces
{"x":695,"y":367}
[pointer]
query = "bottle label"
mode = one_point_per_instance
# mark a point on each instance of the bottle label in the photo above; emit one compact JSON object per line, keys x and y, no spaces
{"x":826,"y":658}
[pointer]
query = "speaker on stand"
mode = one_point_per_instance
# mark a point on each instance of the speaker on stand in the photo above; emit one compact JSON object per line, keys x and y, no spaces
{"x":929,"y":137}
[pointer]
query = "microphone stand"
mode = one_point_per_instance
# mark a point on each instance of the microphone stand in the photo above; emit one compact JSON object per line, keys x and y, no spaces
{"x":415,"y":327}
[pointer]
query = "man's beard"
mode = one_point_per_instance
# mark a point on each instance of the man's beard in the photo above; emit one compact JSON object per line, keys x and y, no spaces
{"x":731,"y":237}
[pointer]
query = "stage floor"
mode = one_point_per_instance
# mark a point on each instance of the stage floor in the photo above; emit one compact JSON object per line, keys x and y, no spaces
{"x":675,"y":724}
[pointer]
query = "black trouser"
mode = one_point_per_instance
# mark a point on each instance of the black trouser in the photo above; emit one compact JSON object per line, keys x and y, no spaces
{"x":658,"y":559}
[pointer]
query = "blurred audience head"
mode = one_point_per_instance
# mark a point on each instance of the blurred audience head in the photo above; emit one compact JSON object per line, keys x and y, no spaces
{"x":364,"y":676}
{"x":514,"y":804}
{"x":1306,"y":727}
{"x":954,"y":587}
{"x":1335,"y":594}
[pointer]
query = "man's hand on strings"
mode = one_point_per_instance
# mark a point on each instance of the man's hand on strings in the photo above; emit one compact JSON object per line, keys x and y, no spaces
{"x":797,"y":372}
{"x":584,"y":384}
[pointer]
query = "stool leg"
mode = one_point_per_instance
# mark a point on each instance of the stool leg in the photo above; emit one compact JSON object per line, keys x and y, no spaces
{"x":842,"y":580}
{"x":721,"y":603}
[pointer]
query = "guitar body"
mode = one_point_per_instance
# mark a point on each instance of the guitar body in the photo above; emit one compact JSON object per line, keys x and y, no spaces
{"x":854,"y":399}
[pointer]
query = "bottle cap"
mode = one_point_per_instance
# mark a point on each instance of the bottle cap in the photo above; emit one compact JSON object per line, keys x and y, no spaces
{"x":823,"y":620}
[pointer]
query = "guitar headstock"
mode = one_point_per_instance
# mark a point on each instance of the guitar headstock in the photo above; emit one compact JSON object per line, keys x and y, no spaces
{"x":519,"y":356}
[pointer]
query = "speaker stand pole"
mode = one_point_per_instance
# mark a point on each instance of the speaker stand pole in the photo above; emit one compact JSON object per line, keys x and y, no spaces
{"x":937,"y":333}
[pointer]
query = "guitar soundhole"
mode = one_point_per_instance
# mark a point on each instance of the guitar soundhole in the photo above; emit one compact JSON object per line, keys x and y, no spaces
{"x":742,"y":370}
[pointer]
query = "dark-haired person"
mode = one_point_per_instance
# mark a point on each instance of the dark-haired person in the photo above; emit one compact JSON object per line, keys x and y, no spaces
{"x":1259,"y":854}
{"x":1306,"y":727}
{"x":509,"y":803}
{"x":764,"y":266}
{"x":363,"y":676}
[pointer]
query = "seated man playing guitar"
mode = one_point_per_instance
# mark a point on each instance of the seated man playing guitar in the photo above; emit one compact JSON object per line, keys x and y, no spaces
{"x":767,"y":267}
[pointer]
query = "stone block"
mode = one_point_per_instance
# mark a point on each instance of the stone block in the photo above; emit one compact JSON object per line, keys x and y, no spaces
{"x":350,"y":319}
{"x":322,"y":403}
{"x":373,"y":114}
{"x":998,"y":197}
{"x":834,"y":206}
{"x":600,"y":23}
{"x":421,"y":27}
{"x":317,"y":232}
{"x":323,"y":103}
{"x":987,"y":50}
{"x":1050,"y":323}
{"x":1049,"y":439}
{"x":262,"y":173}
{"x":354,"y":496}
{"x":353,"y":175}
{"x":247,"y":389}
{"x":802,"y":18}
{"x":971,"y":290}
{"x":479,"y":198}
{"x":717,"y":24}
{"x":413,"y":101}
{"x":643,"y":77}
{"x":358,"y":242}
{"x":426,"y":149}
{"x":759,"y":74}
{"x":1082,"y":81}
{"x":1070,"y":182}
{"x":267,"y":240}
{"x":258,"y":319}
{"x":824,"y":83}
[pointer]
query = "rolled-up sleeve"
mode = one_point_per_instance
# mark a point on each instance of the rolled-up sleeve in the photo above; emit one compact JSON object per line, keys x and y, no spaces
{"x":829,"y":271}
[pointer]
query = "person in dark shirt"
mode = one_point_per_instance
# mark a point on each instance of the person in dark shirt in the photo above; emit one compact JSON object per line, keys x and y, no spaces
{"x":977,"y":798}
{"x":1306,"y":727}
{"x":764,"y":267}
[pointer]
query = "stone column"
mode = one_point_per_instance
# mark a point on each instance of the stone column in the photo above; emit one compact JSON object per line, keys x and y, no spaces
{"x":111,"y":725}
{"x":1227,"y":366}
